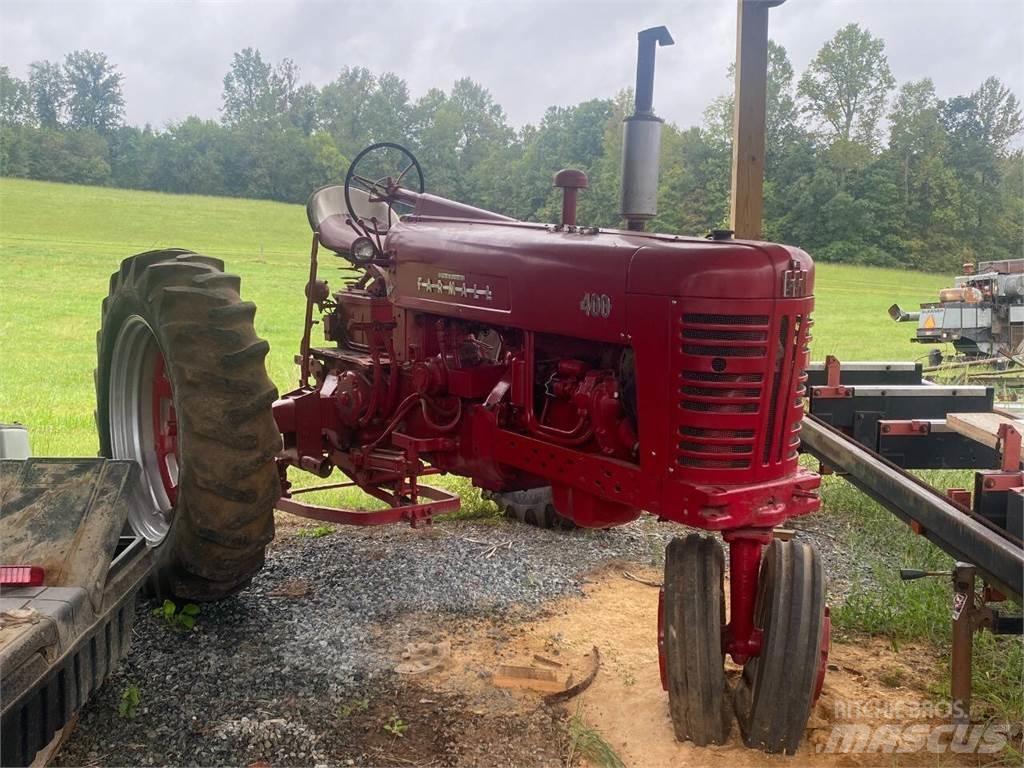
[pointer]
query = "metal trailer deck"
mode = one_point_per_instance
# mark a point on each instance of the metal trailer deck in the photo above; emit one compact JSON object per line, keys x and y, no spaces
{"x":952,"y":527}
{"x":875,"y":421}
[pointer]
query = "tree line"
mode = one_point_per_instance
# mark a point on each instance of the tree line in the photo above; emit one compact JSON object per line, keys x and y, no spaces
{"x":858,"y":169}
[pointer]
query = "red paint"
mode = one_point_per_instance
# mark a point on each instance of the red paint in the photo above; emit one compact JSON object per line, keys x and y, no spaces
{"x":414,"y":514}
{"x":961,"y":496}
{"x":628,"y":371}
{"x":1009,"y":445}
{"x":905,"y":427}
{"x":570,"y":181}
{"x":742,"y":638}
{"x":165,"y":427}
{"x":833,"y":389}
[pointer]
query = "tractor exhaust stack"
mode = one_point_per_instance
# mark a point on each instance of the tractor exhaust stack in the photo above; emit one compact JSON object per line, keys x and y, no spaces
{"x":641,"y":137}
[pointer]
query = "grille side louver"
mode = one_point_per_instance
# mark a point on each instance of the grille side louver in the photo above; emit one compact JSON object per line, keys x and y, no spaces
{"x":739,"y":382}
{"x":717,"y":428}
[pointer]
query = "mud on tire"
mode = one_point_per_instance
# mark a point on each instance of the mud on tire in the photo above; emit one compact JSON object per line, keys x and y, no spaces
{"x":533,"y":507}
{"x":219,"y":518}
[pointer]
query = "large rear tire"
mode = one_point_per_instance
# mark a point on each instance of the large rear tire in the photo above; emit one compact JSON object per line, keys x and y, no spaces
{"x":181,"y":388}
{"x":533,"y":507}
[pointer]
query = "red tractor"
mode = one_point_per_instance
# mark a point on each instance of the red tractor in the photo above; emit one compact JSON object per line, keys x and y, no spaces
{"x":578,"y":375}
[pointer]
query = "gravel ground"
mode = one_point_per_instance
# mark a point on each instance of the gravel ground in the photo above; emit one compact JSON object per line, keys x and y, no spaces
{"x":263,"y":674}
{"x":844,"y":566}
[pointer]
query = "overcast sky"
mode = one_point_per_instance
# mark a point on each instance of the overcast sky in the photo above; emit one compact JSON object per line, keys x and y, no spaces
{"x":529,"y":54}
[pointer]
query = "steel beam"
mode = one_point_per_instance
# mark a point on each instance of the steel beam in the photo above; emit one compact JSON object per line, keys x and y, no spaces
{"x":951,"y":528}
{"x":861,"y":372}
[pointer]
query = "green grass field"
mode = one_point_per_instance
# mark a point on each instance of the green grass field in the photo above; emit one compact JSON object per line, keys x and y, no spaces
{"x":59,"y":243}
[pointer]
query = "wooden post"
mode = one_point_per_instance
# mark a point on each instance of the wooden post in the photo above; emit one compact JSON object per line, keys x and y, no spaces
{"x":748,"y":124}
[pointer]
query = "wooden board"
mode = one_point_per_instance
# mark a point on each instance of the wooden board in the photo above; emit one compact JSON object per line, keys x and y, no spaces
{"x":981,"y":427}
{"x":748,"y":132}
{"x":532,"y":678}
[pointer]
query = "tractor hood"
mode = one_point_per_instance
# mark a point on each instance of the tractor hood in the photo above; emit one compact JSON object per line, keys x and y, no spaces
{"x":547,"y":278}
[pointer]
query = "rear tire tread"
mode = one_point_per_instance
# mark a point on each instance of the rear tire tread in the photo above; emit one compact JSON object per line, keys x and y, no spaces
{"x":228,"y":484}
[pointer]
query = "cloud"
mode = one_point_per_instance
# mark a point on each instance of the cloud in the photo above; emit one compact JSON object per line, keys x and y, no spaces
{"x":529,"y":54}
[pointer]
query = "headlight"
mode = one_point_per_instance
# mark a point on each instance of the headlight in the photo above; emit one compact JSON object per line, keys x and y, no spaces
{"x":363,"y":249}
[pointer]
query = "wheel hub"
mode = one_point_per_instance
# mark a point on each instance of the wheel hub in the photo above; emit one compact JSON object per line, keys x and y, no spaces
{"x":165,"y":429}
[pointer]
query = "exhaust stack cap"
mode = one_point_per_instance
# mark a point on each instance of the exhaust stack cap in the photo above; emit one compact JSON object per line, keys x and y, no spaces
{"x":641,"y":137}
{"x":647,"y":42}
{"x":570,"y":181}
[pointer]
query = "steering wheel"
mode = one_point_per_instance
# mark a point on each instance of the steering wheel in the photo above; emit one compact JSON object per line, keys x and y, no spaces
{"x":383,"y":188}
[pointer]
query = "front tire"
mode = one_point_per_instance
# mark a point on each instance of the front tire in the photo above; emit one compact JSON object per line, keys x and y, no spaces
{"x":693,"y":613}
{"x":777,"y":689}
{"x":181,"y":388}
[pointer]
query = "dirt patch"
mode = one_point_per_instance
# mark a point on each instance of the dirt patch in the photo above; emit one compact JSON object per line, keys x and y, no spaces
{"x":413,"y":725}
{"x":867,"y":683}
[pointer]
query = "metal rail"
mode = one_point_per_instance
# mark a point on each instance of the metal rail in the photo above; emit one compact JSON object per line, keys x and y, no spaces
{"x":949,"y":526}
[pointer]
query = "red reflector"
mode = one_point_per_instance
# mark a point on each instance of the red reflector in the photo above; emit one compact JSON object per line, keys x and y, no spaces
{"x":21,"y":576}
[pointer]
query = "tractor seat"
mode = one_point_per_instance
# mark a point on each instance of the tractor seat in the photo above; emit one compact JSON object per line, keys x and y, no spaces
{"x":327,"y":215}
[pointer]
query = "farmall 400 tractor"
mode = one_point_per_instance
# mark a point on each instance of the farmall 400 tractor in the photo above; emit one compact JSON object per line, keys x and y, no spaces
{"x":576,"y":374}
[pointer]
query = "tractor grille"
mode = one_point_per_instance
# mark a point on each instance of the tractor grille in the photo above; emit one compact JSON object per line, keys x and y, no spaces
{"x":740,"y":386}
{"x":785,"y":406}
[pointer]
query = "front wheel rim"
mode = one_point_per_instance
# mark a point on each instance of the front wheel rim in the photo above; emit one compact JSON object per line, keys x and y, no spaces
{"x":143,"y":427}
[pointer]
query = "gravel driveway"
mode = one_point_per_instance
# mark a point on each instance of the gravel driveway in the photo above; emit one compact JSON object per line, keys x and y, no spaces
{"x":264,"y":675}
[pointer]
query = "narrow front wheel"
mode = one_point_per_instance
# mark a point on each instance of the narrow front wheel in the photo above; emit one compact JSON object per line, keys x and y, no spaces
{"x":776,"y":691}
{"x":693,"y":614}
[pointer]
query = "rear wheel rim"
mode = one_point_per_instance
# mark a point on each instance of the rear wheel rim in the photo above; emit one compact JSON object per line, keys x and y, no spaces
{"x":143,"y":426}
